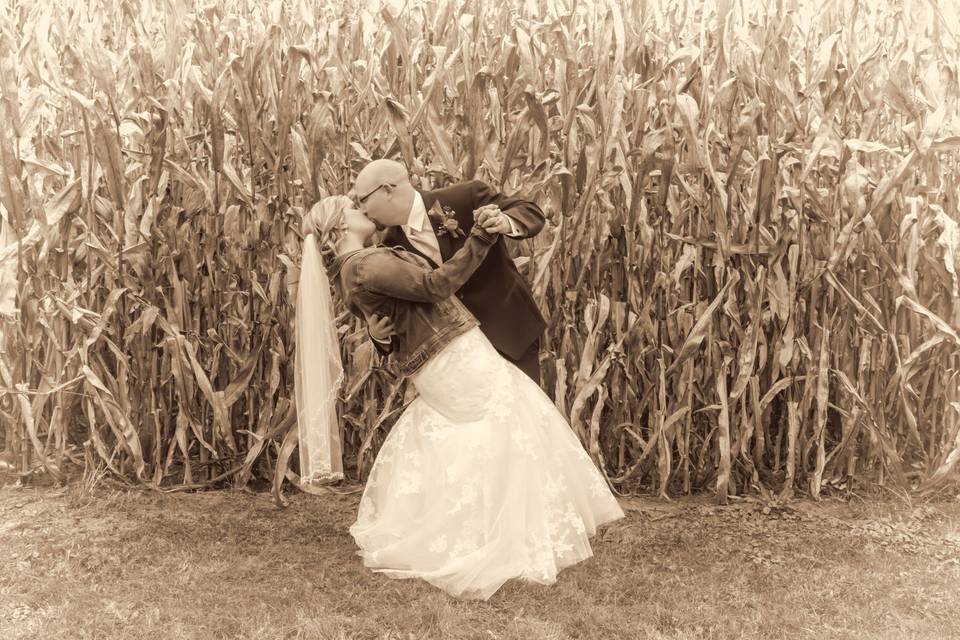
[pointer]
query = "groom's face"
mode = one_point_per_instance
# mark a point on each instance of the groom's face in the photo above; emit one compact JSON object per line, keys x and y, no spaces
{"x":385,"y":206}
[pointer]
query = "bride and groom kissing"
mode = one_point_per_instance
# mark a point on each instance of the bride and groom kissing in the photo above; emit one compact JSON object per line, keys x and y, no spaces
{"x":481,"y":479}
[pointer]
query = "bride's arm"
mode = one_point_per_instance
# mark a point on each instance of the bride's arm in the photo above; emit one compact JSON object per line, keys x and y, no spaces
{"x":385,"y":273}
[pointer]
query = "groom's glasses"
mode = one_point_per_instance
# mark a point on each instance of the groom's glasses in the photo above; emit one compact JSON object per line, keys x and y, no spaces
{"x":363,"y":199}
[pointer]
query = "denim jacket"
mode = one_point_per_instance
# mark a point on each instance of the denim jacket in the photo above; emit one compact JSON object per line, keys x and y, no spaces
{"x":399,"y":284}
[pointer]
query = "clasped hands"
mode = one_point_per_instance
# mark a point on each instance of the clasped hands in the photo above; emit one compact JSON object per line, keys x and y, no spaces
{"x":492,"y":219}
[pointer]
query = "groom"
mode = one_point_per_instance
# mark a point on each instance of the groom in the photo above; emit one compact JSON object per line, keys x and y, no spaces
{"x":434,"y":224}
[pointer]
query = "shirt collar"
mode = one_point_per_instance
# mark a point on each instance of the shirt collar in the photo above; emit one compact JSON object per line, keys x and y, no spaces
{"x":418,"y":220}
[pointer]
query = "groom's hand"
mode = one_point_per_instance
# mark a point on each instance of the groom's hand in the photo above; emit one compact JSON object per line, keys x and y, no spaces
{"x":493,"y":220}
{"x":381,"y":328}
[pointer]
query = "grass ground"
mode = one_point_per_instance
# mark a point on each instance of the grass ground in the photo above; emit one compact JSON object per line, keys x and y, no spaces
{"x":75,"y":564}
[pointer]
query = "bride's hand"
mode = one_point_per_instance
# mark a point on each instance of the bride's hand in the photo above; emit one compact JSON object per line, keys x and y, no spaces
{"x":380,"y":328}
{"x":492,"y":219}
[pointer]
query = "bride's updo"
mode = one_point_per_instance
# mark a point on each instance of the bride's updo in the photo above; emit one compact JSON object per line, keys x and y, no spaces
{"x":325,"y":221}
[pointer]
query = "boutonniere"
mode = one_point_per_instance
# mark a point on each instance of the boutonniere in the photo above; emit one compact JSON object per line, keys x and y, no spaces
{"x":448,"y":221}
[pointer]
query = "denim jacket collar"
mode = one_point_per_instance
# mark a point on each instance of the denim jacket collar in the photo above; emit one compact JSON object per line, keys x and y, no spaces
{"x":334,"y":269}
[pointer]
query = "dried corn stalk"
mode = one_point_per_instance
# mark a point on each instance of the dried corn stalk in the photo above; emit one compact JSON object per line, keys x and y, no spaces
{"x":750,"y":270}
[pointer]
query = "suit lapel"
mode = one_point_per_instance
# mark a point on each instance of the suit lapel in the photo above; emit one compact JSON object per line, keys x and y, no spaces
{"x":428,"y":198}
{"x":395,"y":237}
{"x":444,"y":240}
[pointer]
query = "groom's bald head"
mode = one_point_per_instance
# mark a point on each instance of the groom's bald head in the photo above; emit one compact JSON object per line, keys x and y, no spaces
{"x":379,"y":172}
{"x":384,"y":185}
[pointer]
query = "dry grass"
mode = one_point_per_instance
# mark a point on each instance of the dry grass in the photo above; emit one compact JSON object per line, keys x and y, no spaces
{"x":231,"y":565}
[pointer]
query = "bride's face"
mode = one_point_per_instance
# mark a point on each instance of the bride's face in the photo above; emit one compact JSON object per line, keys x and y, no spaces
{"x":358,"y":224}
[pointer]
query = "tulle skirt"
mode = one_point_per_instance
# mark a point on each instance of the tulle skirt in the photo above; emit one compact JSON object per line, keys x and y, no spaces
{"x":480,"y":480}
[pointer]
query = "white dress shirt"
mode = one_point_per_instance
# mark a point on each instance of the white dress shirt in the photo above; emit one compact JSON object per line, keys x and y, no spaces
{"x":420,"y":232}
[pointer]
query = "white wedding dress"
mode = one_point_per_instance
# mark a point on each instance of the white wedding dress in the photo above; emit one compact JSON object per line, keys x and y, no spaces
{"x":480,"y":480}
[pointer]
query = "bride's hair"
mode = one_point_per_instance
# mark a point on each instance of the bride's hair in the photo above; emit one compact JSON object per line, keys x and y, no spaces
{"x":325,"y":221}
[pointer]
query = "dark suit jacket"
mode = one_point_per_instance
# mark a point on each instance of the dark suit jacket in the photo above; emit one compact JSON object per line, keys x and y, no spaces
{"x":496,"y":294}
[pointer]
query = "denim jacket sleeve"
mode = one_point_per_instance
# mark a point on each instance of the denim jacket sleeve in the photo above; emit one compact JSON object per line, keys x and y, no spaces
{"x":387,"y":274}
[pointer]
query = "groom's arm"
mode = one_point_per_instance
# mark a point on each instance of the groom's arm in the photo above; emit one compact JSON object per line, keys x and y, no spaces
{"x":525,"y":217}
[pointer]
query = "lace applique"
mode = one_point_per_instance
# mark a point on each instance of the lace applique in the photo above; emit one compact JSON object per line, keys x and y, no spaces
{"x":481,"y":479}
{"x":439,"y":545}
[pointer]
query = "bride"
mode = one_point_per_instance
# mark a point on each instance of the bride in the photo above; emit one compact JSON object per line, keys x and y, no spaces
{"x":481,"y":479}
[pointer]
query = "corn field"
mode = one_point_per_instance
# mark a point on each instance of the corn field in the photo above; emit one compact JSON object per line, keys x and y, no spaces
{"x":750,"y":266}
